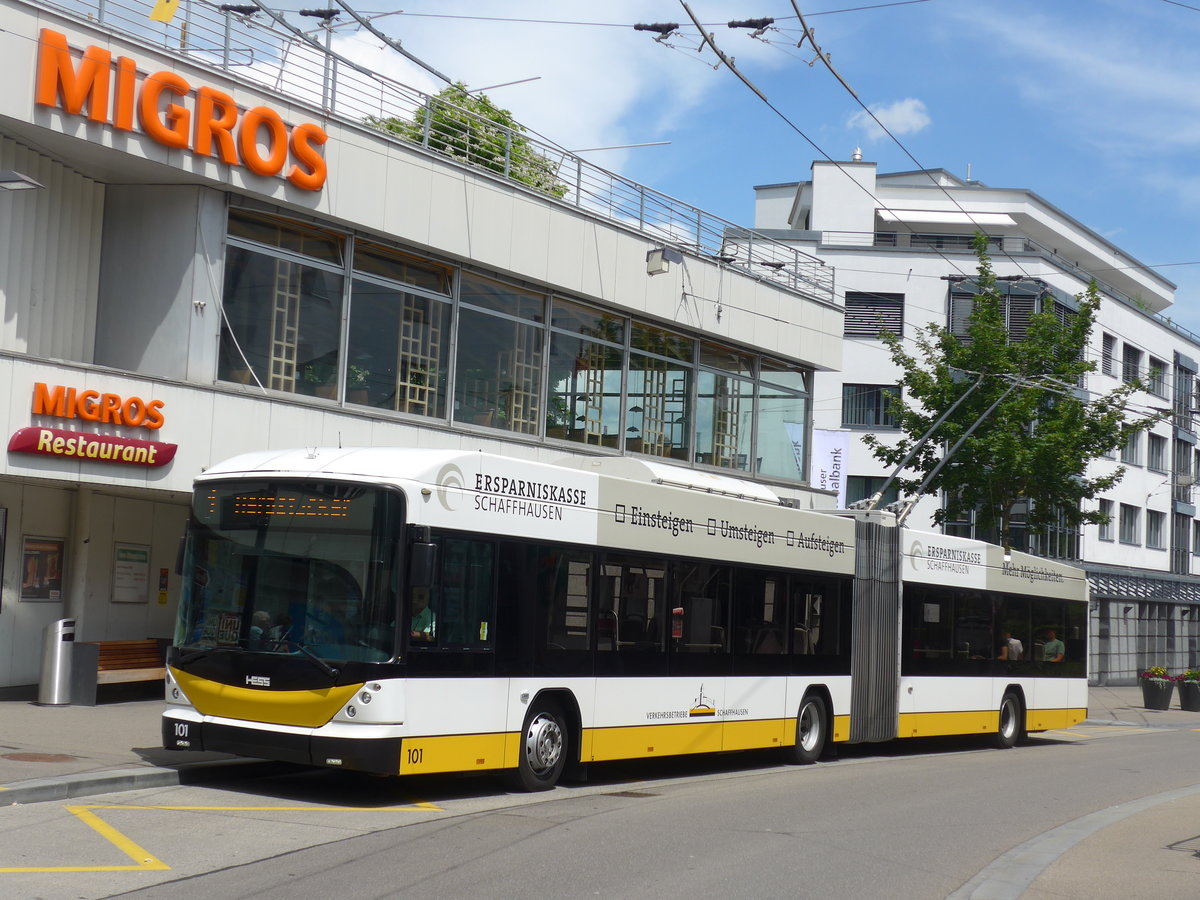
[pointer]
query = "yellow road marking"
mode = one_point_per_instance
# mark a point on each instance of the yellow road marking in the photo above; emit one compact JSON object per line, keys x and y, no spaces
{"x":144,"y":861}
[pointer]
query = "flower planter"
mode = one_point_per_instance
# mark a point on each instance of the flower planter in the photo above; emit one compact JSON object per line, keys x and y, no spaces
{"x":1156,"y":693}
{"x":1189,"y":695}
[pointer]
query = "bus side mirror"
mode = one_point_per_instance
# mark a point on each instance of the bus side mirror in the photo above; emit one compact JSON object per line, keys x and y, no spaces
{"x":179,"y":554}
{"x":422,"y":564}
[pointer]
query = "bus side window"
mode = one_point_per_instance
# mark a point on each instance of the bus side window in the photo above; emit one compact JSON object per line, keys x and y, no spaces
{"x":460,"y":600}
{"x":631,"y":604}
{"x":564,"y":583}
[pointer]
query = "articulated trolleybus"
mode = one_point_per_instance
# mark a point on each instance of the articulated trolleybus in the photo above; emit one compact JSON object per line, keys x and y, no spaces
{"x":407,"y":611}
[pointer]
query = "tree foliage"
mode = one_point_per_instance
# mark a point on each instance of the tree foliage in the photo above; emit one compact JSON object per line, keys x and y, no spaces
{"x":1037,"y":443}
{"x":471,"y":128}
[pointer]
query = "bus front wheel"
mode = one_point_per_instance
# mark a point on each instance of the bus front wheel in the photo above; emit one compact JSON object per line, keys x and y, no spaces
{"x":543,"y":748}
{"x":1010,"y":721}
{"x":812,"y":730}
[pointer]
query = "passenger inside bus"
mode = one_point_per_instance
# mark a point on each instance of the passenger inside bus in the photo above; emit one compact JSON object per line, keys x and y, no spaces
{"x":423,"y":626}
{"x":1054,"y":649}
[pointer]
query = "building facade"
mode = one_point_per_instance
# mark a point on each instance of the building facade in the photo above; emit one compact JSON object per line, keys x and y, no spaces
{"x":901,"y":244}
{"x":215,"y":255}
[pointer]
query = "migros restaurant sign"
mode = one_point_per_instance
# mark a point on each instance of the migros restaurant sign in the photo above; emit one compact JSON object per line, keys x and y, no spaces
{"x":60,"y":402}
{"x":165,"y":107}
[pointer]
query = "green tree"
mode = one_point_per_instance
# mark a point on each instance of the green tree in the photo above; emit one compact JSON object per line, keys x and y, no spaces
{"x":471,"y":128}
{"x":1044,"y":431}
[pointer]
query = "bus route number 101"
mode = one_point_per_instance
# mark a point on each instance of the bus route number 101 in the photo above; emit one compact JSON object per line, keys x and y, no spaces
{"x":416,"y":756}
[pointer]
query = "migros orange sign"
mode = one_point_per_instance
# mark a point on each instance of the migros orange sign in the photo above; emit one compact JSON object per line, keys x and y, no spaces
{"x":211,"y":122}
{"x":93,"y":406}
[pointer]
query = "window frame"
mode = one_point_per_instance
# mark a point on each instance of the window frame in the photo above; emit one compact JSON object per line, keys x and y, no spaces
{"x":879,"y":408}
{"x":1129,"y":525}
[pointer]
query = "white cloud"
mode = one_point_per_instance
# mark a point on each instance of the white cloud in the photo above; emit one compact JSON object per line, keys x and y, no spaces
{"x":906,"y":116}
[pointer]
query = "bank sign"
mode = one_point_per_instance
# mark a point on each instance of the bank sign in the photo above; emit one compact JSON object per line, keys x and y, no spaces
{"x":102,"y":409}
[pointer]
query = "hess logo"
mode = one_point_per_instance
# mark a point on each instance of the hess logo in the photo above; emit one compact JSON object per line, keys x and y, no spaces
{"x":258,"y":680}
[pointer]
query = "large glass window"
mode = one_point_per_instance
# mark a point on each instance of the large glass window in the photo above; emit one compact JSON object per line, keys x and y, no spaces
{"x":498,"y":370}
{"x":659,"y":392}
{"x":281,"y":323}
{"x":398,"y":332}
{"x":398,"y":350}
{"x":587,"y":363}
{"x":781,"y":437}
{"x":724,"y":408}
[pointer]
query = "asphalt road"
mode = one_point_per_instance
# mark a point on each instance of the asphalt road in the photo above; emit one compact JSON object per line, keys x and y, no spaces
{"x":906,"y":820}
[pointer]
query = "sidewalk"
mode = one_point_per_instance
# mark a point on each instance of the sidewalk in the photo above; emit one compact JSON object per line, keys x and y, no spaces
{"x":59,"y":752}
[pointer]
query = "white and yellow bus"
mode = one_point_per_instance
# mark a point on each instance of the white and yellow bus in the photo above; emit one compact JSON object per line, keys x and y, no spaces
{"x":406,"y":611}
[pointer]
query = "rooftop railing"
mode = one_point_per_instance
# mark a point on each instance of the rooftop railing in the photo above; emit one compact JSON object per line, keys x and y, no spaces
{"x":307,"y":57}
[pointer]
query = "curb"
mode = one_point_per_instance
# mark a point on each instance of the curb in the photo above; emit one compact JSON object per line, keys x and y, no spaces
{"x":40,"y":790}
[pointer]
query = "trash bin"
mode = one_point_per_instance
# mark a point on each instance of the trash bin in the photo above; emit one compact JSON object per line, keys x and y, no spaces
{"x":57,"y":643}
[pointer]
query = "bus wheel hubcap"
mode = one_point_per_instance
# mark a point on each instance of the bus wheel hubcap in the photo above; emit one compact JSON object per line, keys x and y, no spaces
{"x":543,"y":743}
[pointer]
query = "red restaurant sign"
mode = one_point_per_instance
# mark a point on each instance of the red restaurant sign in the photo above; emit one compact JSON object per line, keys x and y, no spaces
{"x":98,"y":447}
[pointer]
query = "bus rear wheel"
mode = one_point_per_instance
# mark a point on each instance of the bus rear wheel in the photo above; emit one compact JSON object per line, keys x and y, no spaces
{"x":1010,"y":721}
{"x":543,"y":748}
{"x":812,"y":730}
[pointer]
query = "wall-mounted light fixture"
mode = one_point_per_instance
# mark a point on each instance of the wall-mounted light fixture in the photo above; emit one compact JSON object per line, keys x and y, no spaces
{"x":659,"y":260}
{"x":17,"y":181}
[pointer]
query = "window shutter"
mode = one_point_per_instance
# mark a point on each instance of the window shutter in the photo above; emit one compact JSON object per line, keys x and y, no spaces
{"x":869,"y":314}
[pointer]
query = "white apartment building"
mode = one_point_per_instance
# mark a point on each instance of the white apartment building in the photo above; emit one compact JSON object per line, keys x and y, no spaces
{"x":900,"y":244}
{"x":216,"y":254}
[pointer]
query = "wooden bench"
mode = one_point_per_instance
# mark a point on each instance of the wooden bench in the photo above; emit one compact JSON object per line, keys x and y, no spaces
{"x":126,"y":661}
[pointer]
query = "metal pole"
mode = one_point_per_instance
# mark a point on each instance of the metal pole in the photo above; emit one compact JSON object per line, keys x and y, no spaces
{"x":878,"y":495}
{"x":325,"y":92}
{"x":912,"y":501}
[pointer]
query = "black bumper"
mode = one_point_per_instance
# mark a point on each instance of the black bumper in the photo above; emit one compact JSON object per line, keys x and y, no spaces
{"x":380,"y":756}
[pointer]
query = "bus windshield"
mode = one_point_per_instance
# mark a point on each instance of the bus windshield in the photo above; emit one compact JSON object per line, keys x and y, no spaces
{"x":292,"y":567}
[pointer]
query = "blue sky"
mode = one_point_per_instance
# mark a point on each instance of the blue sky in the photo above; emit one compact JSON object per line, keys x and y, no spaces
{"x":1092,"y":104}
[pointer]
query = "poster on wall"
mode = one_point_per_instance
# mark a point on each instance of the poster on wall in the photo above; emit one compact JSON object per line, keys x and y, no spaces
{"x":131,"y":573}
{"x":42,"y":568}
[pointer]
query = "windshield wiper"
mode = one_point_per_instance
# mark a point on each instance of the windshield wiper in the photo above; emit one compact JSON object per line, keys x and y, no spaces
{"x":321,"y":664}
{"x":196,"y":654}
